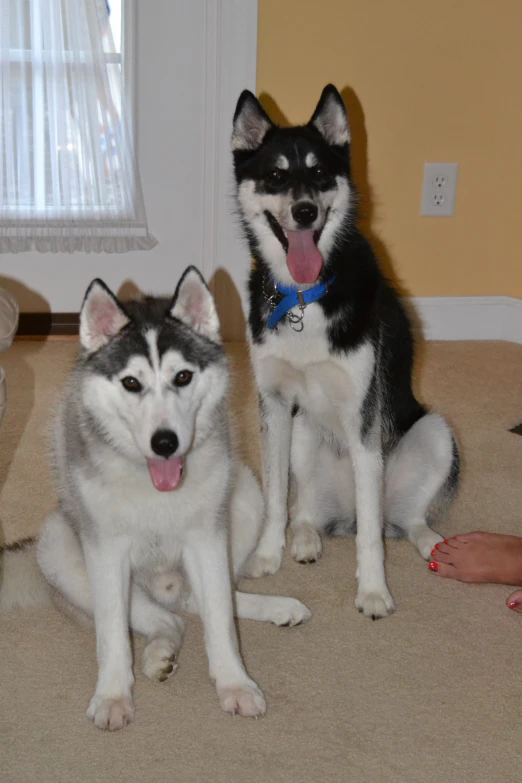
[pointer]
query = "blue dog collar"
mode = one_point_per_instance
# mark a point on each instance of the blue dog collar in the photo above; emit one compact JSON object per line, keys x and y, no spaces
{"x":293,"y":297}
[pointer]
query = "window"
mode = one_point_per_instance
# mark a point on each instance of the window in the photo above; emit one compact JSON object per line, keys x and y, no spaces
{"x":68,"y":177}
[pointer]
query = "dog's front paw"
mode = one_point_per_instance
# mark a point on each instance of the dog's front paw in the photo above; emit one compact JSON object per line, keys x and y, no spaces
{"x":375,"y":604}
{"x":264,"y":562}
{"x":425,"y":542}
{"x":307,"y":545}
{"x":290,"y":612}
{"x":159,"y":659}
{"x":245,"y":700}
{"x":111,"y":714}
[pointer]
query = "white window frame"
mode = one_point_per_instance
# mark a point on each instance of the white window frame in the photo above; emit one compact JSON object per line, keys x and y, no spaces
{"x":129,"y":63}
{"x":127,"y":58}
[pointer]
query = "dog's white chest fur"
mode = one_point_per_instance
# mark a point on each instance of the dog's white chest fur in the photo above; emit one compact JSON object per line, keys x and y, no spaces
{"x":299,"y":367}
{"x":125,"y":503}
{"x":300,"y":348}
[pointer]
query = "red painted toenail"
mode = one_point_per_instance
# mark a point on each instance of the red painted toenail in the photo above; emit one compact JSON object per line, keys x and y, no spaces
{"x":437,"y":546}
{"x":454,"y":536}
{"x":445,"y":540}
{"x":433,"y":553}
{"x":433,"y":566}
{"x":512,"y":604}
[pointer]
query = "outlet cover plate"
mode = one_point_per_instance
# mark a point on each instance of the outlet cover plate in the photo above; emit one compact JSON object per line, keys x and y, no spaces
{"x":439,"y":187}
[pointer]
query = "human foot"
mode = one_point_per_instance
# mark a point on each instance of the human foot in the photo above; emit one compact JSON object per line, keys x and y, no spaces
{"x":480,"y":557}
{"x":515,"y":601}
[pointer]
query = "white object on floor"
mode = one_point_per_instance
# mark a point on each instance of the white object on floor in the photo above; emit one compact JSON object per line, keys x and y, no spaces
{"x":3,"y":394}
{"x":8,"y":319}
{"x":8,"y":325}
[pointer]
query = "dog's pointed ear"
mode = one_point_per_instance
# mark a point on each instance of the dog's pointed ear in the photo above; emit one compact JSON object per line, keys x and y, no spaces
{"x":193,"y":304}
{"x":102,"y":317}
{"x":330,"y":118}
{"x":251,"y":123}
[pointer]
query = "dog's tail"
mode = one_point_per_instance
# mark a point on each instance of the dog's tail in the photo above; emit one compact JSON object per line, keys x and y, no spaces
{"x":22,"y":584}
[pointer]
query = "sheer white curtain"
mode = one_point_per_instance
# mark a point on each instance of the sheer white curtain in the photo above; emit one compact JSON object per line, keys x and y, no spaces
{"x":68,"y":175}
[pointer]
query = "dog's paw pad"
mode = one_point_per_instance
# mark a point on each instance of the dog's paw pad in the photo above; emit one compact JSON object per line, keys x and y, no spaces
{"x":426,"y":541}
{"x":375,"y":605}
{"x":159,"y":659}
{"x":261,"y":564}
{"x":244,"y":700}
{"x":110,"y":714}
{"x":290,"y":612}
{"x":307,"y":545}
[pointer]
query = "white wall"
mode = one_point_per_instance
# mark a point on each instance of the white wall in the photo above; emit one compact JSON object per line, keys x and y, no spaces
{"x":193,"y":60}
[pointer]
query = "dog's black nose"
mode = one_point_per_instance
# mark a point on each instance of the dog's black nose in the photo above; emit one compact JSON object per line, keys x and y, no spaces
{"x":164,"y":443}
{"x":304,"y":213}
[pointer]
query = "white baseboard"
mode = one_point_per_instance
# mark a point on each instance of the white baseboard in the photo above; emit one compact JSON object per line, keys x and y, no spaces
{"x":470,"y":317}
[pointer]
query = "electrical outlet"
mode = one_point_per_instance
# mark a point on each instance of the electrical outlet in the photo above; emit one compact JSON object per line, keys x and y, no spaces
{"x":439,"y":188}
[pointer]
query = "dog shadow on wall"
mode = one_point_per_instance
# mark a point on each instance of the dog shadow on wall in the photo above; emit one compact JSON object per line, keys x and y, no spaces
{"x":21,"y":384}
{"x":228,"y":304}
{"x":226,"y":296}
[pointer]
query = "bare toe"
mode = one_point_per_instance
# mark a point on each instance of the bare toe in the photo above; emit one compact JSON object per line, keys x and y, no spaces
{"x":454,"y":543}
{"x":443,"y":551}
{"x":460,"y":540}
{"x":515,"y":601}
{"x":446,"y":570}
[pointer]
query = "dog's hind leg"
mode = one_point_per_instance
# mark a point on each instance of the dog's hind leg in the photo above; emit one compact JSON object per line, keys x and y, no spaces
{"x":276,"y":609}
{"x":246,"y":514}
{"x":164,"y":632}
{"x":421,"y":473}
{"x":61,"y":559}
{"x":306,"y":442}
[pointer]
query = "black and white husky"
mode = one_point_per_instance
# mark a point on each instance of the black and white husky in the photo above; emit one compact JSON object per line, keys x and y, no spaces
{"x":148,"y":486}
{"x":332,"y":352}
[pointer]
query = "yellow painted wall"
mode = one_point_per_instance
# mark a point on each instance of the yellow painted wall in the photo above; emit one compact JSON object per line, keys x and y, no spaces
{"x":423,"y":81}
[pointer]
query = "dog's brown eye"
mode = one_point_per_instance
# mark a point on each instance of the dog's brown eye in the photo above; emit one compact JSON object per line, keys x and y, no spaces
{"x":276,"y":175}
{"x":183,"y":378}
{"x":131,"y":384}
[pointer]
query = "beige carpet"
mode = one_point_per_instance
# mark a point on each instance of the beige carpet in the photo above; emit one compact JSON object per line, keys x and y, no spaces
{"x":433,"y":693}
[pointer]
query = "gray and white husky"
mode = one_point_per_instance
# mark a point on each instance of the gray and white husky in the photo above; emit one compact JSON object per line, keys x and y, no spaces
{"x":149,"y":489}
{"x":332,"y":352}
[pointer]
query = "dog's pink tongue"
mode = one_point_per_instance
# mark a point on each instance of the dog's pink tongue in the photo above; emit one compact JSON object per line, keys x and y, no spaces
{"x":165,"y":473}
{"x":303,"y":259}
